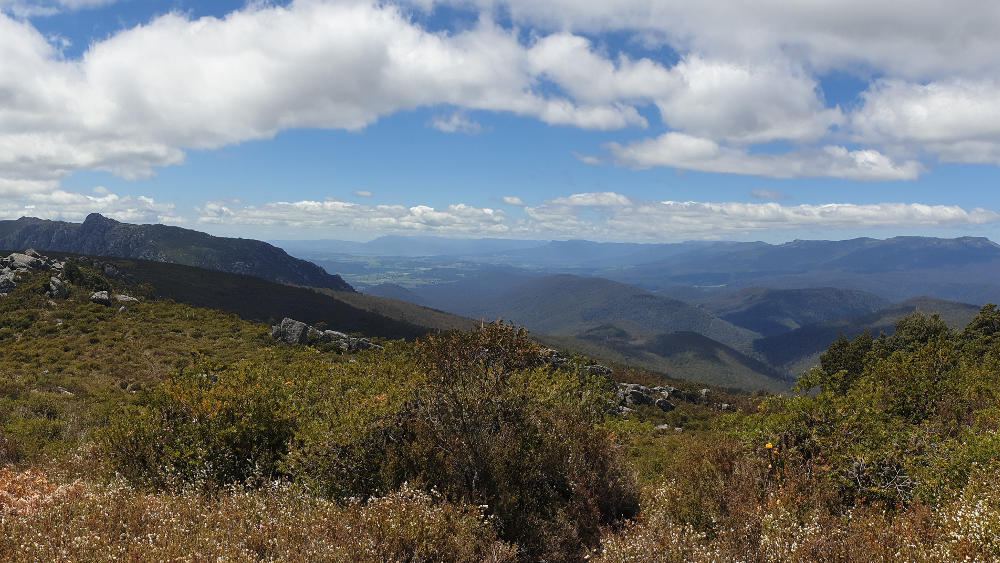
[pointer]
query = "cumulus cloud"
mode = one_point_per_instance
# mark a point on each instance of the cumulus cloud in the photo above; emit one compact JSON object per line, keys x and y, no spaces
{"x":334,"y":215}
{"x":959,"y":120}
{"x":456,"y":122}
{"x":624,"y":218}
{"x":920,"y":40}
{"x":593,"y":215}
{"x":513,"y":200}
{"x":697,"y":153}
{"x":138,"y":99}
{"x":74,"y":206}
{"x":749,"y":70}
{"x":747,"y":103}
{"x":746,"y":74}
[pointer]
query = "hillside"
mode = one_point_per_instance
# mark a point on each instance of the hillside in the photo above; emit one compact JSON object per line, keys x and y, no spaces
{"x":772,"y":311}
{"x":685,"y":355}
{"x":101,"y":236}
{"x":260,"y":300}
{"x":567,"y":305}
{"x":467,"y":446}
{"x":799,"y":349}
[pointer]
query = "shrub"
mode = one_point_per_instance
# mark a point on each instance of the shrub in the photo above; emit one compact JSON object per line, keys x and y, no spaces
{"x":233,"y":427}
{"x":492,"y":425}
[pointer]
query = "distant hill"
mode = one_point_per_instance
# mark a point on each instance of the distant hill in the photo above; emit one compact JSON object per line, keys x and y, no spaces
{"x":411,"y":246}
{"x":799,"y":349}
{"x":962,"y":269}
{"x":394,"y":291}
{"x":680,"y":355}
{"x":100,"y":236}
{"x":569,"y":305}
{"x":774,"y":311}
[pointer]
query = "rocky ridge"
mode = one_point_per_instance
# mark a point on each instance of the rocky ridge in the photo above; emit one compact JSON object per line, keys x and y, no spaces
{"x":17,"y":263}
{"x":101,"y":236}
{"x":292,"y":331}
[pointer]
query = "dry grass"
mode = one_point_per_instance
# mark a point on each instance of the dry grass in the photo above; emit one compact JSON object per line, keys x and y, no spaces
{"x":42,"y":521}
{"x":965,"y":529}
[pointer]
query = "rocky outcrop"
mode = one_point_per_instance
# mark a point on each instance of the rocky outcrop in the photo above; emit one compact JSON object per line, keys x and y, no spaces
{"x":8,"y":282}
{"x":57,"y":289}
{"x":101,"y":298}
{"x":630,"y":395}
{"x":292,"y":331}
{"x":597,"y":369}
{"x":101,"y":236}
{"x":665,"y":398}
{"x":16,"y":263}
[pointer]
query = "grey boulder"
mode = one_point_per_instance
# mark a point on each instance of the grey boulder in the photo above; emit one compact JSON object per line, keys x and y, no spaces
{"x":57,"y":289}
{"x":290,"y":331}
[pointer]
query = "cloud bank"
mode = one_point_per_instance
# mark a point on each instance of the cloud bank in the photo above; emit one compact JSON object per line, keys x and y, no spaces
{"x":591,"y":215}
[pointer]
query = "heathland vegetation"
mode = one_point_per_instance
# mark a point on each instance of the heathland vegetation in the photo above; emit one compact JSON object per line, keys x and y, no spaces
{"x":162,"y":430}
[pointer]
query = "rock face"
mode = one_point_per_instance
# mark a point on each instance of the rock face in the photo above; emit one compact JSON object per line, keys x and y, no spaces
{"x":101,"y":236}
{"x":57,"y":289}
{"x":101,"y":298}
{"x":632,"y":394}
{"x":290,"y":331}
{"x":298,"y":332}
{"x":7,"y":282}
{"x":19,"y":262}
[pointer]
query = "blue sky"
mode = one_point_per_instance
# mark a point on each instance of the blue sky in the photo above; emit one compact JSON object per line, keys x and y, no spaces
{"x":644,"y":120}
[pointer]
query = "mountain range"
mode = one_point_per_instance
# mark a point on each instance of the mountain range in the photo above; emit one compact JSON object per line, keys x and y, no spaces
{"x":745,"y":315}
{"x":101,"y":236}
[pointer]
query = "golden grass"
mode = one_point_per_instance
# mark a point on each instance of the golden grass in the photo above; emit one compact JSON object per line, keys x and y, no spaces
{"x":43,"y":521}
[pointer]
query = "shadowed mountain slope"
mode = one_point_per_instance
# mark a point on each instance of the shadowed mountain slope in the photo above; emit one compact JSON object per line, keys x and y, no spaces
{"x":100,"y":236}
{"x":799,"y":349}
{"x":774,"y":311}
{"x":260,"y":300}
{"x":569,"y":305}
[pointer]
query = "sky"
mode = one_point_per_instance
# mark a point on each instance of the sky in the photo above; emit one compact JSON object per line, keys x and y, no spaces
{"x":632,"y":120}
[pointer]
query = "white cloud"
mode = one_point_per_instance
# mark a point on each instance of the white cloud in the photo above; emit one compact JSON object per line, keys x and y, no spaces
{"x":595,"y":215}
{"x":696,"y":153}
{"x":764,"y":193}
{"x":745,"y":103}
{"x":513,"y":200}
{"x":363,"y":193}
{"x":959,"y":120}
{"x":333,"y":215}
{"x":912,"y":39}
{"x":141,"y":97}
{"x":75,"y":206}
{"x":746,"y":74}
{"x":587,"y":158}
{"x":456,"y":122}
{"x":623,"y":218}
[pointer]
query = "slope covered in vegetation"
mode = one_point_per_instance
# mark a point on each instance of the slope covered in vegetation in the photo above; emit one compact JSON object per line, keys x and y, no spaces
{"x":170,"y":431}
